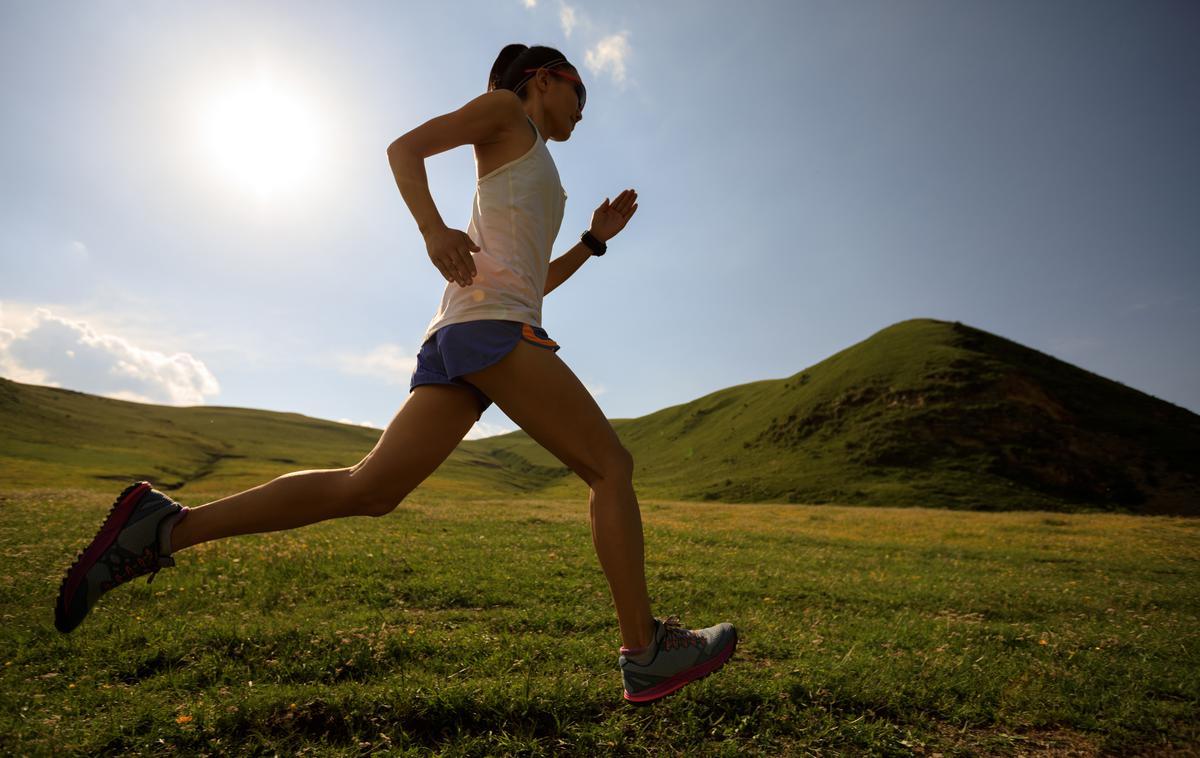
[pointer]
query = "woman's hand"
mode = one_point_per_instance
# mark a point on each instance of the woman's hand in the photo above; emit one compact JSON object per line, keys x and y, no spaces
{"x":450,"y":250}
{"x":610,"y":219}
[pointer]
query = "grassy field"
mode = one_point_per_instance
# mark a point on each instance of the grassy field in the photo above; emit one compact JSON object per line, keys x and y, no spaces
{"x":486,"y":628}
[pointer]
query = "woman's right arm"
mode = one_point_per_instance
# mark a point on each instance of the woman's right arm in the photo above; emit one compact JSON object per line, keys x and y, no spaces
{"x":409,"y":170}
{"x":481,"y":121}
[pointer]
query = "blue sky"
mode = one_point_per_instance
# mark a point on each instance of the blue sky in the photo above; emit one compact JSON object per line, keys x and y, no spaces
{"x":808,"y":174}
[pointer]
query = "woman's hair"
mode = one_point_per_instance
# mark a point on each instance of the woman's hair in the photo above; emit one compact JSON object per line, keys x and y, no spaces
{"x":508,"y":70}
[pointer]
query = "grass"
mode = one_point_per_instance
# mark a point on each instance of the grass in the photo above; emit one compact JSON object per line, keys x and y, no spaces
{"x":486,"y":628}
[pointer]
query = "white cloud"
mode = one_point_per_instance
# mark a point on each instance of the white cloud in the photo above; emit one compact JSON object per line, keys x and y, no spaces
{"x":566,"y":16}
{"x":609,"y":54}
{"x":10,"y":369}
{"x":368,"y":424}
{"x":387,"y":362}
{"x":595,"y":389}
{"x":56,"y":351}
{"x":483,"y":429}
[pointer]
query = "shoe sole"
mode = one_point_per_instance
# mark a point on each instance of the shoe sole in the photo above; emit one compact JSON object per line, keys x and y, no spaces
{"x":118,"y":515}
{"x":677,"y":682}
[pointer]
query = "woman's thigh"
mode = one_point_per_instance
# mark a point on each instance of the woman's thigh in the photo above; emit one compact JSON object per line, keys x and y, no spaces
{"x":543,"y":396}
{"x":426,"y":429}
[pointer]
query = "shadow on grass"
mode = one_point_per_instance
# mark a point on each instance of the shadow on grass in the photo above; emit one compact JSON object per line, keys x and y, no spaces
{"x":484,"y":717}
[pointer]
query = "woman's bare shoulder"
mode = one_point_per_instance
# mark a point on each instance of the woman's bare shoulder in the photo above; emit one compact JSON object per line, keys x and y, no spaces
{"x":484,"y":120}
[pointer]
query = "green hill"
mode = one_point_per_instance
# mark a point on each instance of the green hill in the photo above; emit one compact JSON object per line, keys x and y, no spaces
{"x":62,"y":438}
{"x":924,"y":412}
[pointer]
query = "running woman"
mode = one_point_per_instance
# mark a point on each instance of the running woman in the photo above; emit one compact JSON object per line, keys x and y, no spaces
{"x":485,"y":344}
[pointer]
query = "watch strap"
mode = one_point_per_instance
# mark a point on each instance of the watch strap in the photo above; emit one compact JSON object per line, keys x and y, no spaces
{"x":596,"y":246}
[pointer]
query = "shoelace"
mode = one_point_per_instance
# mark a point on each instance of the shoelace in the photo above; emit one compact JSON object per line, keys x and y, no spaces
{"x":134,"y":567}
{"x":677,"y":636}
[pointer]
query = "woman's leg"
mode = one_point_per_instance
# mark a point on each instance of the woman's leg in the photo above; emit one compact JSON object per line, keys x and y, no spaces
{"x":427,"y":428}
{"x":540,"y":393}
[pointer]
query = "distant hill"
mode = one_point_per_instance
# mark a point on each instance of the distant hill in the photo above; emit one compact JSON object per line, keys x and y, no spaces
{"x":59,"y":438}
{"x":63,"y":438}
{"x":922,"y":413}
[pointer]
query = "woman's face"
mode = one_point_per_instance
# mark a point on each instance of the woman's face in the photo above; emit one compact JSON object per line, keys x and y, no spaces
{"x":562,"y":102}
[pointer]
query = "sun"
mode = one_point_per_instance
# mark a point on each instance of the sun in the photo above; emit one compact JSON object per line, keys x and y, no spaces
{"x":263,"y":137}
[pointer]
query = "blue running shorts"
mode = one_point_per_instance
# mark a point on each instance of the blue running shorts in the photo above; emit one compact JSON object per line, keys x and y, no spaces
{"x":457,"y":349}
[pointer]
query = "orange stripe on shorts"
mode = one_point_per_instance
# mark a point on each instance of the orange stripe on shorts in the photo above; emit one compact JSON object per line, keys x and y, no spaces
{"x":527,"y":333}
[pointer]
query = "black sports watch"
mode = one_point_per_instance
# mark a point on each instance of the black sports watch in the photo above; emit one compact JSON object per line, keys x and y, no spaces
{"x":596,"y":246}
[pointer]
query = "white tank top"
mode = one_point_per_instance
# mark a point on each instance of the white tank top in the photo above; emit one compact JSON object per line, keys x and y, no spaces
{"x":516,"y":214}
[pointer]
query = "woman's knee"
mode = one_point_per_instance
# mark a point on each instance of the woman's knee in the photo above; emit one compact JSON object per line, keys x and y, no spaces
{"x":615,"y":467}
{"x":365,"y":497}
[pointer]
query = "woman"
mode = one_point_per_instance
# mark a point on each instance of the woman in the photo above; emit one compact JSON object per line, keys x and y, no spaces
{"x":484,"y":345}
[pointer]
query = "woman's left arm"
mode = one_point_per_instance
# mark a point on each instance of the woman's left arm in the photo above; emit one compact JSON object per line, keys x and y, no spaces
{"x":607,"y":221}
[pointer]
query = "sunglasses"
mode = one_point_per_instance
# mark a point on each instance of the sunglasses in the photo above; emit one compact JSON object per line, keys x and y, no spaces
{"x":580,"y":90}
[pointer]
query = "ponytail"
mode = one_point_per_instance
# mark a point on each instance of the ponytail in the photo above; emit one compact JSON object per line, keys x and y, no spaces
{"x":508,"y":70}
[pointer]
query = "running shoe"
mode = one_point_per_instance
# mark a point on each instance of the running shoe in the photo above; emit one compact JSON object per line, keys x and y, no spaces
{"x":676,"y":656}
{"x":127,"y":546}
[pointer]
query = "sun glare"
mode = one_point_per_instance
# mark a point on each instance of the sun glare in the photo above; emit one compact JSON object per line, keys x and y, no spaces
{"x":263,"y":137}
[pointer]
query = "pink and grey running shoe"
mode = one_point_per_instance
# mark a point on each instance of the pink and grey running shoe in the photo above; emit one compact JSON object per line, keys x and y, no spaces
{"x":128,"y":545}
{"x":675,"y":657}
